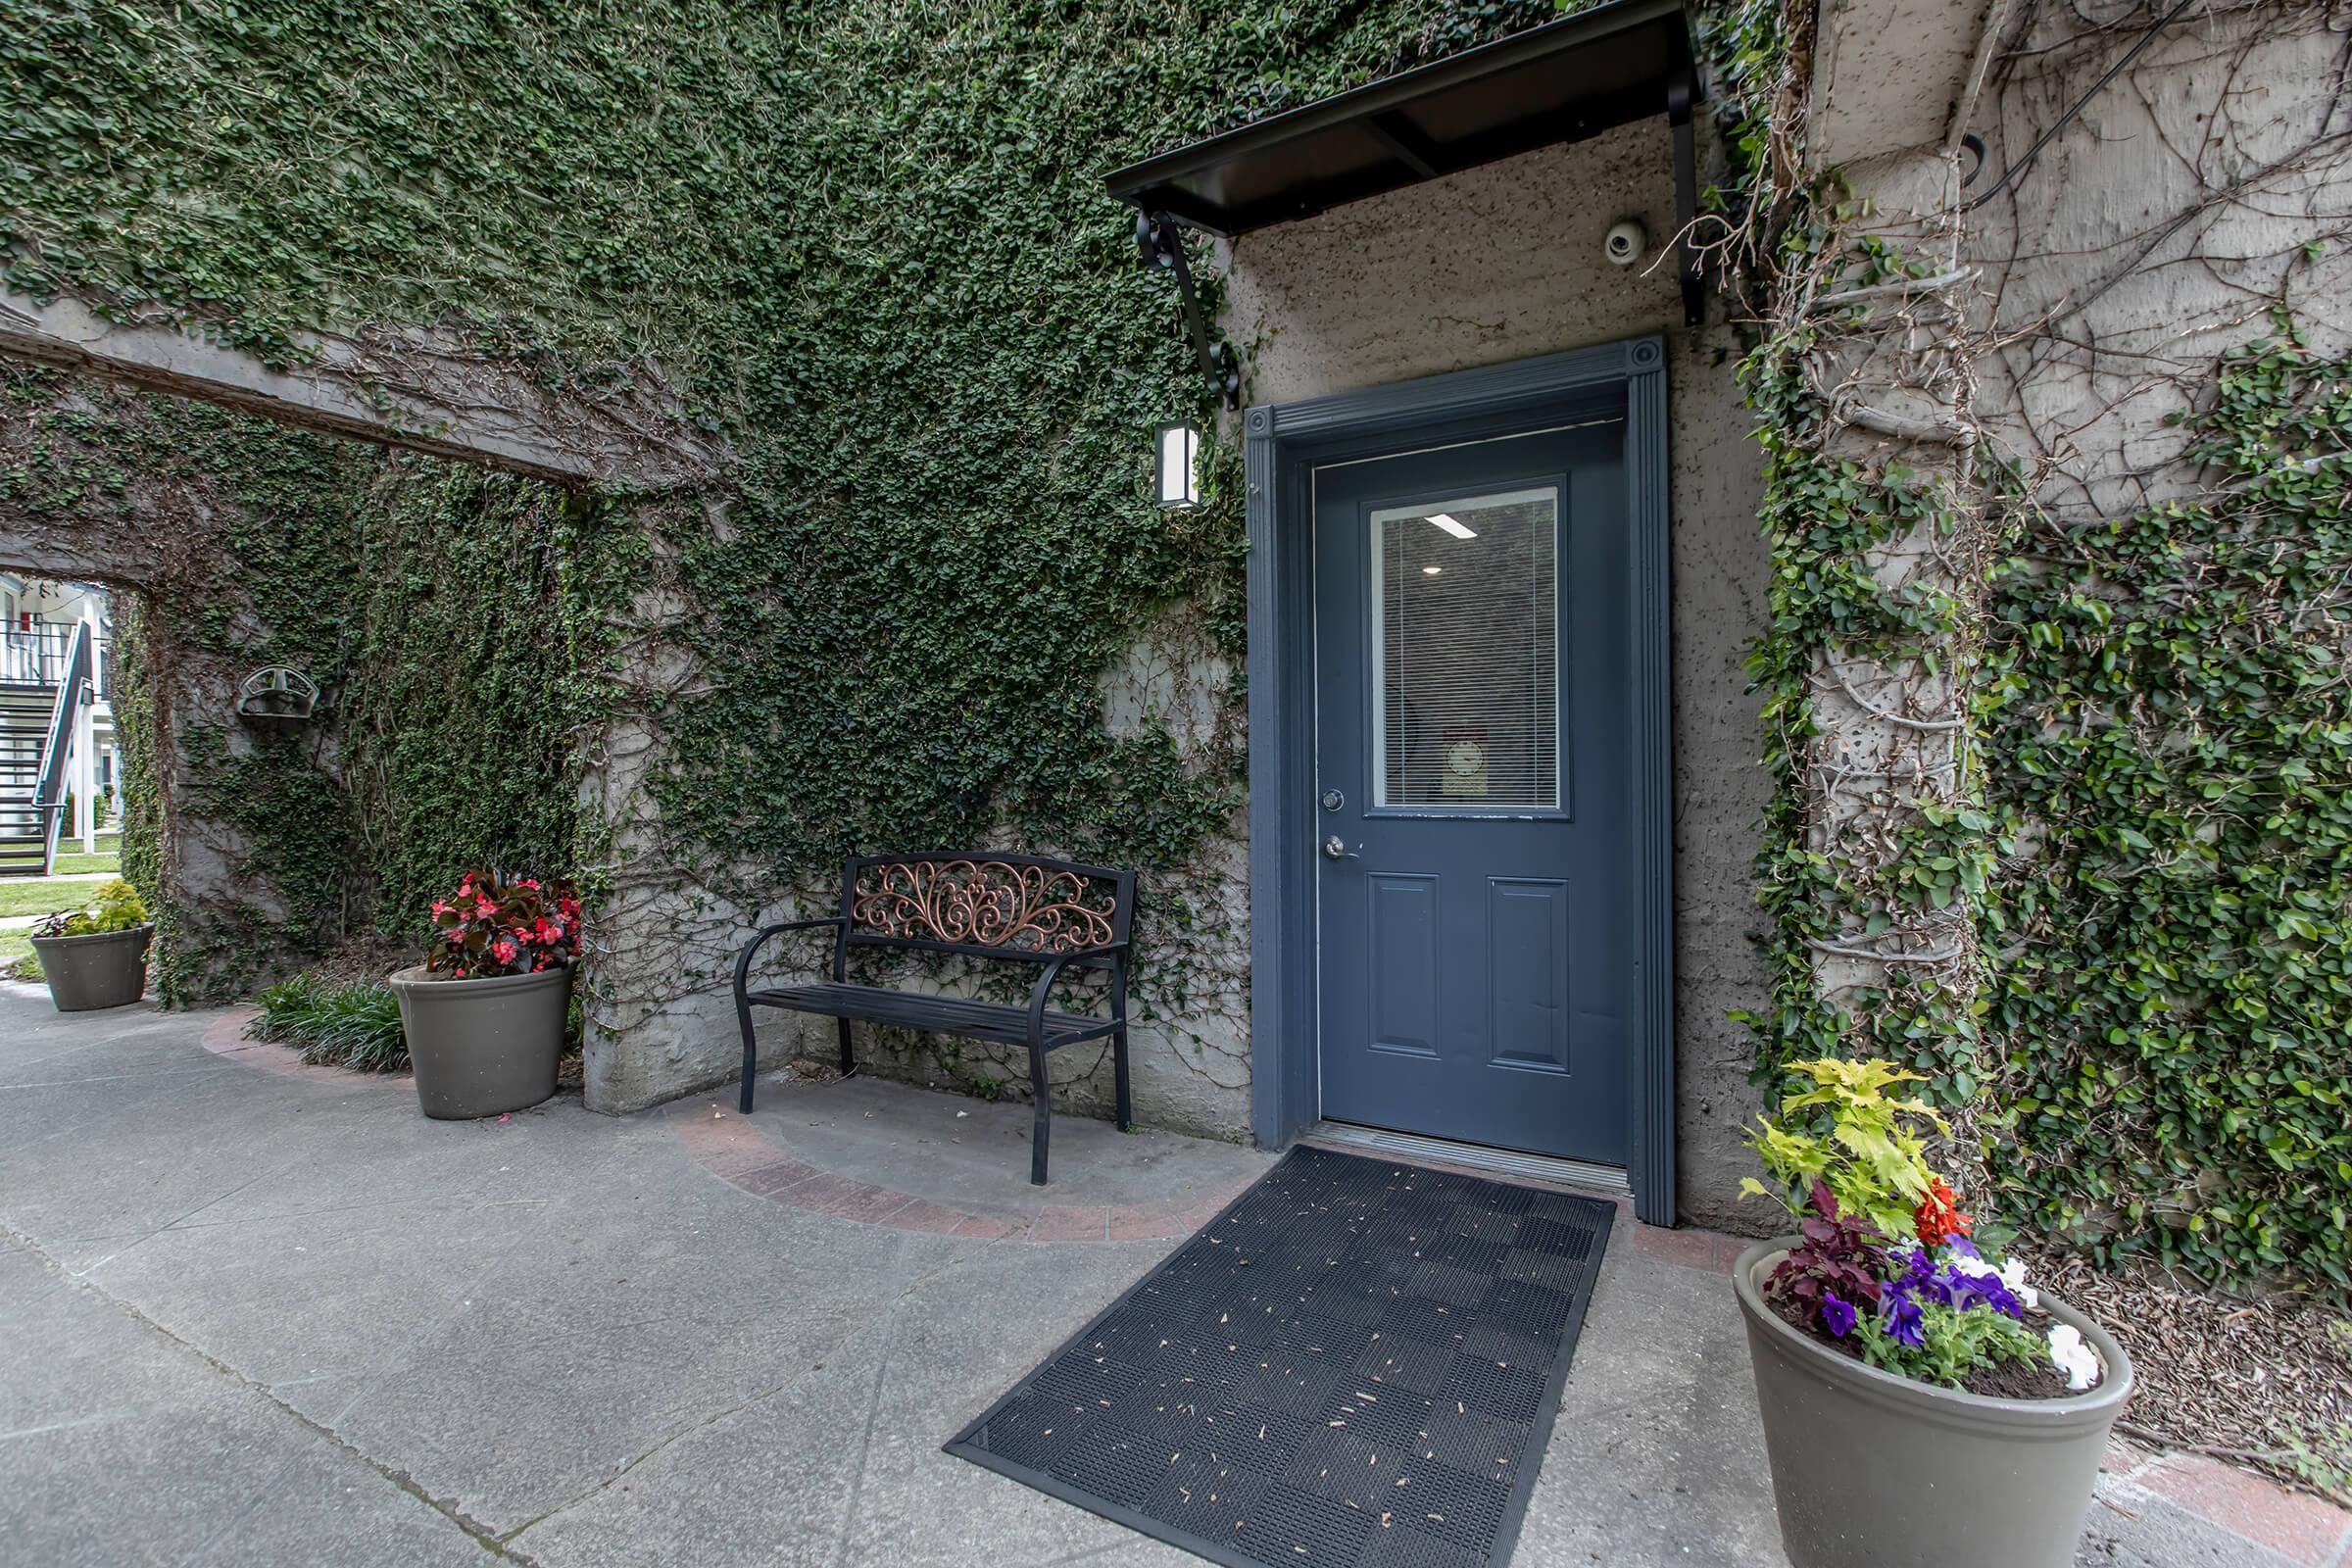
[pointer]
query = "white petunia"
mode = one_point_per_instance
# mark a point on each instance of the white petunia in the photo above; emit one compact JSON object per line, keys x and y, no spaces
{"x":2072,"y":1356}
{"x":2013,"y":1275}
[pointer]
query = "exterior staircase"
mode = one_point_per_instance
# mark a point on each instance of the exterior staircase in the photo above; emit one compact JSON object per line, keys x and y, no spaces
{"x":37,"y":721}
{"x":23,"y":732}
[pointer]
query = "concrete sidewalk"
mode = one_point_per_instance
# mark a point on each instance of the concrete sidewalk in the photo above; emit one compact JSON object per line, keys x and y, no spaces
{"x":253,"y":1313}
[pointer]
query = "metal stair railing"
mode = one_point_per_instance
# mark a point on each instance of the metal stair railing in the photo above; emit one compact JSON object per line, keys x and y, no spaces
{"x":49,"y":786}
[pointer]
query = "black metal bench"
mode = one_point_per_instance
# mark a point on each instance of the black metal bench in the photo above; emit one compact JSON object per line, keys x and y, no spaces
{"x":1016,"y":908}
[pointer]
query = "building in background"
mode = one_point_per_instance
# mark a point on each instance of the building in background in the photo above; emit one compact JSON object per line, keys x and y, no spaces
{"x":59,"y":766}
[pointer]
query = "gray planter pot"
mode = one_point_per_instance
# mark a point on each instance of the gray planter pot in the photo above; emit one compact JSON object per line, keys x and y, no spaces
{"x":1876,"y":1471}
{"x":482,"y":1047}
{"x":106,"y":971}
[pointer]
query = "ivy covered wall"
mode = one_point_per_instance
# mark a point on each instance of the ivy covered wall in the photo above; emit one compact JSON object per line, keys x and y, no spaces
{"x":871,"y":243}
{"x":427,"y":601}
{"x":2055,"y":489}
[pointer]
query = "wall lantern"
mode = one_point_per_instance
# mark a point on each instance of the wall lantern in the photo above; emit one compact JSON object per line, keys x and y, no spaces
{"x":1178,"y":465}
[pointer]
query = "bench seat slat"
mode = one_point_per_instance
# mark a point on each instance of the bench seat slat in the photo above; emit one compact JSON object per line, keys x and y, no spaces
{"x":953,"y":1015}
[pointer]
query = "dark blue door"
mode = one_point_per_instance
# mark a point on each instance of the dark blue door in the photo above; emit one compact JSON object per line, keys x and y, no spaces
{"x":1472,"y":631}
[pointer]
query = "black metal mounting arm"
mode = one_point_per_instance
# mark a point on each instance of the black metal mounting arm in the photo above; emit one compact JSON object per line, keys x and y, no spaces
{"x":1681,"y":91}
{"x":1160,"y":246}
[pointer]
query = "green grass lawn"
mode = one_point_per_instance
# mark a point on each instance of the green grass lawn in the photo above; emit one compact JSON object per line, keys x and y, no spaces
{"x":107,"y":861}
{"x":17,"y":962}
{"x":33,"y":895}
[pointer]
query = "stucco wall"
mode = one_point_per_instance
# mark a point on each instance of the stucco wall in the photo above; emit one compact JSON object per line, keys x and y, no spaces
{"x":2155,"y":232}
{"x":1504,"y":263}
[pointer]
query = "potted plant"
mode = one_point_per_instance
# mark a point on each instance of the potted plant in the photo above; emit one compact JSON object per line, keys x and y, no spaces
{"x":484,"y":1014}
{"x":96,"y":958}
{"x":1922,"y":1404}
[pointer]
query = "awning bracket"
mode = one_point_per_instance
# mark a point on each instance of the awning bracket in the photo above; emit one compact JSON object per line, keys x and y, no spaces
{"x":1681,"y":91}
{"x":1161,"y":247}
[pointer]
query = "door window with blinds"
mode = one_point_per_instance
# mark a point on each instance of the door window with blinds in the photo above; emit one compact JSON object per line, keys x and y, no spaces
{"x":1465,"y":653}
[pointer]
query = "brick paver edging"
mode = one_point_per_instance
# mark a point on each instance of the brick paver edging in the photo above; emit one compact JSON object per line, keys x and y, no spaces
{"x":740,"y":1154}
{"x":227,"y":1038}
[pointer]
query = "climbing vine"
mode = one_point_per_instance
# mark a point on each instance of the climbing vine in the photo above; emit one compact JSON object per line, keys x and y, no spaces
{"x":432,"y":605}
{"x":2106,"y":912}
{"x":870,"y":244}
{"x":2168,"y":723}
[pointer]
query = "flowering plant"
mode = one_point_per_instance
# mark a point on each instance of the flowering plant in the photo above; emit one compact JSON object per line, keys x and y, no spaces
{"x":496,"y":926}
{"x":1885,"y":1267}
{"x":119,"y":908}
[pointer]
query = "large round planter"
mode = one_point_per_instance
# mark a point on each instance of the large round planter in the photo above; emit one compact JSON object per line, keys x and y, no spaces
{"x":482,"y":1047}
{"x":105,"y":971}
{"x":1876,"y":1471}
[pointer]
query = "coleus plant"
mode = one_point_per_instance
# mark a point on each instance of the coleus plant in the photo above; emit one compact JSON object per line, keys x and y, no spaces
{"x":496,"y":925}
{"x":1868,"y":1144}
{"x":1837,"y":1270}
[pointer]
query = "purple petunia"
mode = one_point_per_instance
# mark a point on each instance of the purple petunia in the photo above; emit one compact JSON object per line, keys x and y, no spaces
{"x":1902,"y":1320}
{"x":1989,"y":1289}
{"x":1836,"y":1315}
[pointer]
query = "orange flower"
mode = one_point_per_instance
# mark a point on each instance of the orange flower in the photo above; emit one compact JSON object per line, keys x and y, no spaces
{"x":1939,"y":1219}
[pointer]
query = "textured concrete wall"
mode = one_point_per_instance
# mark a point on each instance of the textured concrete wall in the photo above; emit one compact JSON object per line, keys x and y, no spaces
{"x":2156,"y":231}
{"x":1504,"y":263}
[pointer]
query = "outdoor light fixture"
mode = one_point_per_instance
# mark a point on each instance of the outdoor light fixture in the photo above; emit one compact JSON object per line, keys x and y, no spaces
{"x":1431,"y":571}
{"x":1451,"y":526}
{"x":1178,"y":465}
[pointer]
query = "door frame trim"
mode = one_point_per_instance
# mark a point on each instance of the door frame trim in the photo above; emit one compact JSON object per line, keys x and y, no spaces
{"x":1282,"y":444}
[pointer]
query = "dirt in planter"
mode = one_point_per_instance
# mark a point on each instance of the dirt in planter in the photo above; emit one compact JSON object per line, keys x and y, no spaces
{"x":2017,"y":1380}
{"x":2009,"y":1380}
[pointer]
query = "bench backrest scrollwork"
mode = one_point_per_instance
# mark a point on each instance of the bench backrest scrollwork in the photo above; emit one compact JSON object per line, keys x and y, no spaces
{"x":982,"y":902}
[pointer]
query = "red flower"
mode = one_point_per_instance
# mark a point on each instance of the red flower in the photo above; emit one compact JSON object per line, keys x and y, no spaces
{"x":503,"y":950}
{"x":1939,"y":1219}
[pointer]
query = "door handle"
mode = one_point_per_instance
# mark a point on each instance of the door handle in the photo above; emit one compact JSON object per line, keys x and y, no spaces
{"x":1336,"y":847}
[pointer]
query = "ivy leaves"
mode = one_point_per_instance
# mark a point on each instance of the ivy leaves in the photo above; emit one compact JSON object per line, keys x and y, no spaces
{"x":2167,"y":722}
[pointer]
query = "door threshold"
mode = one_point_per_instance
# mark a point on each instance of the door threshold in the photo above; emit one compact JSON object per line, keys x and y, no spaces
{"x":1605,"y":1181}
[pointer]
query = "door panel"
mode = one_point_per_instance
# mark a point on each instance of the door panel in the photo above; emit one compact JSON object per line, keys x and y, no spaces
{"x":1404,"y":964}
{"x":1527,"y":972}
{"x":1472,"y":732}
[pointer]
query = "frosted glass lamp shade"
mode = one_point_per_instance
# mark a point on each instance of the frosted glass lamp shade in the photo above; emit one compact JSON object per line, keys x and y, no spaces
{"x":1178,"y":466}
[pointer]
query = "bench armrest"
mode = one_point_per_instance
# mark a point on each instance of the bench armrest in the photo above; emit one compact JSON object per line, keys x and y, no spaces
{"x":1117,"y":952}
{"x":743,"y":959}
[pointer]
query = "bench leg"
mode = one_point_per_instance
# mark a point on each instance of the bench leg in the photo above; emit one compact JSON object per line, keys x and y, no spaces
{"x":751,"y":1053}
{"x":849,"y":1058}
{"x":1118,"y":1048}
{"x":1042,"y":1130}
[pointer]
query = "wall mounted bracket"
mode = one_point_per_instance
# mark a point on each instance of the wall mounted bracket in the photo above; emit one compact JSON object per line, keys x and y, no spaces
{"x":1680,"y":92}
{"x":1161,"y":247}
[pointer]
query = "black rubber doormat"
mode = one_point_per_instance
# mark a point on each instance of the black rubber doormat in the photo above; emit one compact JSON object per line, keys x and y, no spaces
{"x":1356,"y":1365}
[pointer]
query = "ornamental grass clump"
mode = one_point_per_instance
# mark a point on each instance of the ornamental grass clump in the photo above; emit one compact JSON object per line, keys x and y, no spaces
{"x":353,"y":1024}
{"x":1885,"y":1269}
{"x":499,"y":926}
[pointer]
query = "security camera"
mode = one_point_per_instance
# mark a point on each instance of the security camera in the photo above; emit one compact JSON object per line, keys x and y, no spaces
{"x":1626,"y":242}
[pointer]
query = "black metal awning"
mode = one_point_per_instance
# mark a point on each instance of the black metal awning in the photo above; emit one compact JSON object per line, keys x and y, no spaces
{"x":1562,"y":81}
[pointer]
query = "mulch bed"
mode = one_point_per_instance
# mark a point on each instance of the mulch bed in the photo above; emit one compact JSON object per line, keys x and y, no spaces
{"x":2238,"y":1380}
